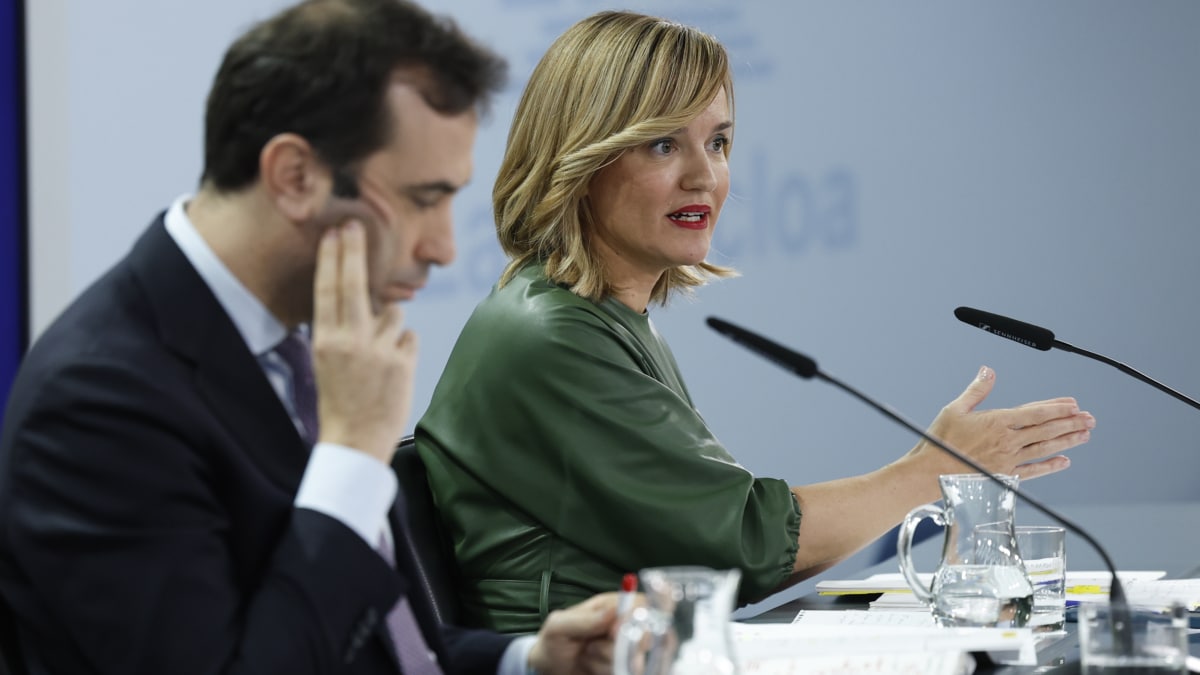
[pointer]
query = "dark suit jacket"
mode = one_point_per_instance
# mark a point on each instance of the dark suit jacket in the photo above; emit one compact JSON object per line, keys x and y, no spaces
{"x":147,"y":474}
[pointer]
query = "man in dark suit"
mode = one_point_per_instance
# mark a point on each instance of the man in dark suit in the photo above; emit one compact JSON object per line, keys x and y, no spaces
{"x":171,"y":502}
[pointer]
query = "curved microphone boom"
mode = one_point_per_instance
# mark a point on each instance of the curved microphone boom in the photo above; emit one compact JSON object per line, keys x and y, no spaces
{"x":807,"y":368}
{"x":1043,"y":339}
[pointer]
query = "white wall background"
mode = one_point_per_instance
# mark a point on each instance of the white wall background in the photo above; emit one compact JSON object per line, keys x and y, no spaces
{"x":891,"y":162}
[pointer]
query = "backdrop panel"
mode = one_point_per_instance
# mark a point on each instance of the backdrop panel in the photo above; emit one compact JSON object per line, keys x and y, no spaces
{"x":891,"y":162}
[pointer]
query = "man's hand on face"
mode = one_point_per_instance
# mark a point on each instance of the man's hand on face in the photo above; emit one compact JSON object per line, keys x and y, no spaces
{"x":364,"y":362}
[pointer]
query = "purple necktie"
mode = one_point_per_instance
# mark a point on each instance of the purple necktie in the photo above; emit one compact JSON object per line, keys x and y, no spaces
{"x":413,"y":654}
{"x":295,"y":352}
{"x":411,"y":651}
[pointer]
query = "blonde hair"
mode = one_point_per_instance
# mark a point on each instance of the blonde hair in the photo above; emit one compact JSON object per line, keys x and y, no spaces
{"x":613,"y":81}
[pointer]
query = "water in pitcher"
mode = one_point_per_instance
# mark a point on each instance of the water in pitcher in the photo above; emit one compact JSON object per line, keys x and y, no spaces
{"x":982,"y":595}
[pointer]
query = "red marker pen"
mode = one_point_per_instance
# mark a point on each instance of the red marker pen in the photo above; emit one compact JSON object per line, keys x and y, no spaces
{"x":625,"y":599}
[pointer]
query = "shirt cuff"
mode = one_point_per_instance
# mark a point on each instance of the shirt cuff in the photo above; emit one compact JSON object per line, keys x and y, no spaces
{"x":516,"y":657}
{"x":350,"y":486}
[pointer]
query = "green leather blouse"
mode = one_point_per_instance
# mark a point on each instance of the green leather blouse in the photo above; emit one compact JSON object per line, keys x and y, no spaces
{"x":563,"y":451}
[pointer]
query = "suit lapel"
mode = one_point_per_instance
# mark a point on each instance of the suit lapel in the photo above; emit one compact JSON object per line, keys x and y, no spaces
{"x":193,"y":324}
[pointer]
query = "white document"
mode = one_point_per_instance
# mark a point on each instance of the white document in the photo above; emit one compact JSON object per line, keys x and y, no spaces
{"x":876,"y":583}
{"x":1149,"y":593}
{"x":893,"y":582}
{"x":782,"y":649}
{"x":899,"y":602}
{"x":859,"y":633}
{"x":934,"y":663}
{"x":815,"y":617}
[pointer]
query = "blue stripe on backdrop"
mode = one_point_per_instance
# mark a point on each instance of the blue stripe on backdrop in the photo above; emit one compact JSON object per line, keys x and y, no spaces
{"x":13,"y":296}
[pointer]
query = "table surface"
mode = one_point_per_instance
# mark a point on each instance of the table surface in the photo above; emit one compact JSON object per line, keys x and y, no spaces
{"x":1145,"y":536}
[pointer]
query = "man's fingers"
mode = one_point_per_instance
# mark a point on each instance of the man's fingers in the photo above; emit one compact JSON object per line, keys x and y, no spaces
{"x":390,"y":320}
{"x":354,"y":295}
{"x":579,"y":622}
{"x":325,"y":281}
{"x":602,"y":601}
{"x":407,"y":345}
{"x":597,"y":658}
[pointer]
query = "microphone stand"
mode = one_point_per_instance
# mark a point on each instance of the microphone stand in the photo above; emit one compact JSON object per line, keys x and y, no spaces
{"x":806,"y":368}
{"x":1067,"y":347}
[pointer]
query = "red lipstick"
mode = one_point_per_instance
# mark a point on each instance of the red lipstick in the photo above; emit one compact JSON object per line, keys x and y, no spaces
{"x":691,"y":217}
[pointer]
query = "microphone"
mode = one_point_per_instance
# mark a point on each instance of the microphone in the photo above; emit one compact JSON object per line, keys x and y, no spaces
{"x":1043,"y":339}
{"x":807,"y":368}
{"x":787,"y":358}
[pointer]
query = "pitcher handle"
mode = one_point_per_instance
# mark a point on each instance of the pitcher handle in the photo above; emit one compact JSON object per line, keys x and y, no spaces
{"x":904,"y":545}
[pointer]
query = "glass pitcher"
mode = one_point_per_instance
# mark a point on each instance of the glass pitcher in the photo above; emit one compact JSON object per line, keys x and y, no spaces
{"x":684,"y":627}
{"x":980,"y":580}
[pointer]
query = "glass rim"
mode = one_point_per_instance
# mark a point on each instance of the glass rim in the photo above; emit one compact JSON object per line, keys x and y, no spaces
{"x":1039,"y":528}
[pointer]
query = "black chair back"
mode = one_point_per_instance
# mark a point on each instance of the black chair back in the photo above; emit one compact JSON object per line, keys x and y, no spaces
{"x":434,"y":552}
{"x":10,"y":653}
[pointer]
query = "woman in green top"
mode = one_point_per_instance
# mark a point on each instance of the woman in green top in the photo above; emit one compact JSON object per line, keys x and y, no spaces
{"x":561,"y":443}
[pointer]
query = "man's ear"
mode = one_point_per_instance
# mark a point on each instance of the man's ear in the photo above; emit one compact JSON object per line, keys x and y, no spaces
{"x":295,"y":179}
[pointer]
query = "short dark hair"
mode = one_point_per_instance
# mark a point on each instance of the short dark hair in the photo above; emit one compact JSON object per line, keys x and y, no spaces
{"x":320,"y":69}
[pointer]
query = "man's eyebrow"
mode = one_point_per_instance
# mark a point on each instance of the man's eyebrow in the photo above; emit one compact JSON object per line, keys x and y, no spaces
{"x":442,"y":186}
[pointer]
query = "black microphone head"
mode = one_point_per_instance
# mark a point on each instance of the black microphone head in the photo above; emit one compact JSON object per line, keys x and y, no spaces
{"x":1017,"y":331}
{"x":788,"y":358}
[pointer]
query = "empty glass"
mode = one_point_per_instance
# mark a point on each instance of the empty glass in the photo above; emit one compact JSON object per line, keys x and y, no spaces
{"x":1043,"y":550}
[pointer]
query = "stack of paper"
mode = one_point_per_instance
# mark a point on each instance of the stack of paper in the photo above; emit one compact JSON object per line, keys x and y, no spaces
{"x":1142,"y":587}
{"x":830,"y":647}
{"x":851,"y":617}
{"x":933,"y":663}
{"x":895,"y":595}
{"x":1164,"y":592}
{"x":888,"y":593}
{"x":876,"y":583}
{"x":899,"y":602}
